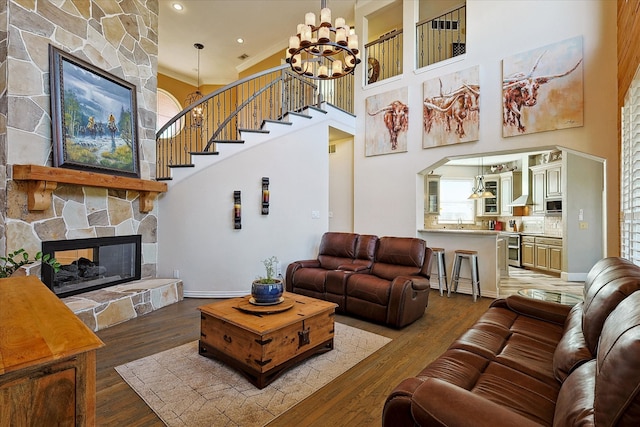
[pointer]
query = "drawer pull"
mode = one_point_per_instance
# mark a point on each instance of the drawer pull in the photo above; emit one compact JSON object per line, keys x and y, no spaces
{"x":227,"y":339}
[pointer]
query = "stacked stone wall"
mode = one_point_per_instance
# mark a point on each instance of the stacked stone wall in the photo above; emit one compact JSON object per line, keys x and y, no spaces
{"x":119,"y":37}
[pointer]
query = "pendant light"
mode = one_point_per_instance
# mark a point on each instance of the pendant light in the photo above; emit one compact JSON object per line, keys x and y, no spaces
{"x":197,"y":113}
{"x":479,"y":191}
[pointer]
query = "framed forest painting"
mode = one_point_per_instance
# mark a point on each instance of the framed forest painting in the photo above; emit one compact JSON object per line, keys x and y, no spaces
{"x":93,"y":114}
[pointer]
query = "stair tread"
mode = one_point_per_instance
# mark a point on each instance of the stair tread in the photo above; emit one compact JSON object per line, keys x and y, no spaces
{"x":294,"y":113}
{"x":276,"y":122}
{"x":228,"y":141}
{"x":317,"y":109}
{"x":254,"y":130}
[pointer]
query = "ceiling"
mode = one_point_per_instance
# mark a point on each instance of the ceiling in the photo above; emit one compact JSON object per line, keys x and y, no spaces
{"x":265,"y":26}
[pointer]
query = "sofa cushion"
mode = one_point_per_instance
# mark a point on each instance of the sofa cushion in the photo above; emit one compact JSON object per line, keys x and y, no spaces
{"x":602,"y":266}
{"x":617,"y":384}
{"x":530,"y":356}
{"x":605,"y":293}
{"x":366,"y":250}
{"x":512,"y":390}
{"x":458,"y":367}
{"x":574,"y":406}
{"x":572,"y":349}
{"x":398,"y":256}
{"x":336,"y":249}
{"x":521,"y":393}
{"x":485,"y":340}
{"x":368,"y":287}
{"x":311,"y":279}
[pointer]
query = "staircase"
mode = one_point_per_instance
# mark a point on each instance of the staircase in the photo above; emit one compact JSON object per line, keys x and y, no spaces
{"x":245,"y":113}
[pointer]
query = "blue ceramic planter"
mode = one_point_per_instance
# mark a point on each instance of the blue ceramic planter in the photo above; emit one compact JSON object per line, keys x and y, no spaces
{"x":266,"y":293}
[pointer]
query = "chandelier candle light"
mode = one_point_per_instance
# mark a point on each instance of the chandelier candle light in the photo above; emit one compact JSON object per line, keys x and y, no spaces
{"x":323,"y":52}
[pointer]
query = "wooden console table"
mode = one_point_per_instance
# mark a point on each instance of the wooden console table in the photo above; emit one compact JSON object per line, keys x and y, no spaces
{"x":47,"y":358}
{"x":43,"y":180}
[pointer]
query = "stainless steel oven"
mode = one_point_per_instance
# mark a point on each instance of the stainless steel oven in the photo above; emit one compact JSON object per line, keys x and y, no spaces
{"x":514,"y":249}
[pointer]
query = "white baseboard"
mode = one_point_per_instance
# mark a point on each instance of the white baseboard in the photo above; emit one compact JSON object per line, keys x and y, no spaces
{"x":214,"y":294}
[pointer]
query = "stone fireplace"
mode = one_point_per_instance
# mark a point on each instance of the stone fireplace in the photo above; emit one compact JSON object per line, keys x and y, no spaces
{"x":90,"y":264}
{"x":119,"y":38}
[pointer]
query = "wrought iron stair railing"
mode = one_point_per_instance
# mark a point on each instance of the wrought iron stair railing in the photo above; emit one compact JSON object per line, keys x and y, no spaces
{"x":245,"y":105}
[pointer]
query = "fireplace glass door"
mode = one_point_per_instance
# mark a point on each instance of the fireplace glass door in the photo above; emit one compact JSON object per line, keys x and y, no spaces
{"x":89,"y":264}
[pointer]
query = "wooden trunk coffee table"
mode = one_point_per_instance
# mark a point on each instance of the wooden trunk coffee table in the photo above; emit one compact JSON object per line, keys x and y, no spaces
{"x":262,"y":341}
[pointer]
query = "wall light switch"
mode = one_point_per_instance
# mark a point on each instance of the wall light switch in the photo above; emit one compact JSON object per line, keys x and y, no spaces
{"x":581,"y":215}
{"x":315,"y":214}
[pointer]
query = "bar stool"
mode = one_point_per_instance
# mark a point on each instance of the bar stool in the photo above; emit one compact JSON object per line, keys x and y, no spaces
{"x":442,"y":270}
{"x":472,"y":257}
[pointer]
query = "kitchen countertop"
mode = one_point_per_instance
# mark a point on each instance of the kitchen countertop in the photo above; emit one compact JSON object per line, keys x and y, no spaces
{"x":473,"y":231}
{"x":461,"y":231}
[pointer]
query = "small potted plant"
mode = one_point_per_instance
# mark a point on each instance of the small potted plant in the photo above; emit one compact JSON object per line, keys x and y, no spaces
{"x":267,"y":290}
{"x":12,"y":262}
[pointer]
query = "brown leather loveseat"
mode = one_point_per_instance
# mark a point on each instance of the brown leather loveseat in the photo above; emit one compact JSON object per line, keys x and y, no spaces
{"x":385,"y":280}
{"x":528,"y":362}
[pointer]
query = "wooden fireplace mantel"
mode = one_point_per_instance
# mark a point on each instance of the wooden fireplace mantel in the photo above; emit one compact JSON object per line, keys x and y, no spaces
{"x":43,"y":181}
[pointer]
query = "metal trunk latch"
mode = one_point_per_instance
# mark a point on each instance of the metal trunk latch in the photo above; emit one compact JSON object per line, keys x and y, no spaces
{"x":303,"y":336}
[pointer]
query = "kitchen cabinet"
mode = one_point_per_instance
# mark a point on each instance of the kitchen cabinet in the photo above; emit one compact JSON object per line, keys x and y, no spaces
{"x":546,"y":182}
{"x":537,"y":193}
{"x":542,"y":257}
{"x":542,"y":253}
{"x":47,"y":362}
{"x":554,"y":181}
{"x":528,"y":251}
{"x":555,"y":257}
{"x":491,"y":205}
{"x":432,"y":192}
{"x":510,"y":189}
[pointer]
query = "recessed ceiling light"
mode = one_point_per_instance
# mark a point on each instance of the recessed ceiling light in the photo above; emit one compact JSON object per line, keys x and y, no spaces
{"x":178,"y":6}
{"x":240,"y":40}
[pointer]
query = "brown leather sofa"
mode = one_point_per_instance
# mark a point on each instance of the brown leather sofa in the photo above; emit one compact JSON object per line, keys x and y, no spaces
{"x":384,"y":280}
{"x":528,"y":362}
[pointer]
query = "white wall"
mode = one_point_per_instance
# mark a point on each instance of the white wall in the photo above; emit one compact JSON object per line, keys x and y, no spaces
{"x":385,"y":186}
{"x":196,"y":234}
{"x":583,"y":190}
{"x":341,"y":186}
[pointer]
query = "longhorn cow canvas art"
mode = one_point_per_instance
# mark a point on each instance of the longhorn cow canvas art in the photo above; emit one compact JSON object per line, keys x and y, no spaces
{"x":451,"y":108}
{"x":542,"y":89}
{"x":387,"y":122}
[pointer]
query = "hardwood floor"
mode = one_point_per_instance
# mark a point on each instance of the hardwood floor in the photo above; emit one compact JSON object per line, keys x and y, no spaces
{"x":355,"y":398}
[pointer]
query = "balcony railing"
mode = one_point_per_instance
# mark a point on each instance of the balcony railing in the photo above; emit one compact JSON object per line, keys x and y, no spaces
{"x":243,"y":105}
{"x":441,"y":38}
{"x":384,"y":57}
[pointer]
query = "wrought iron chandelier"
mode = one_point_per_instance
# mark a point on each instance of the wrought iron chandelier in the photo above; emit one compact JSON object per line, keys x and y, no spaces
{"x":197,"y":113}
{"x":323,"y":52}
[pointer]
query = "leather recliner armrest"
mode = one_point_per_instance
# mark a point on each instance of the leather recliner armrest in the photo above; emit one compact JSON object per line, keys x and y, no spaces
{"x":418,"y":283}
{"x":308,"y":263}
{"x":432,"y":405}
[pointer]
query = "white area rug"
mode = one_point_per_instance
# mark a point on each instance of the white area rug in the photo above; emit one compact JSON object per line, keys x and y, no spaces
{"x":186,"y":389}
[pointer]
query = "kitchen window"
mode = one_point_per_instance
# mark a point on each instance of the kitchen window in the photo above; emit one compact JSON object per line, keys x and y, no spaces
{"x":455,"y":206}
